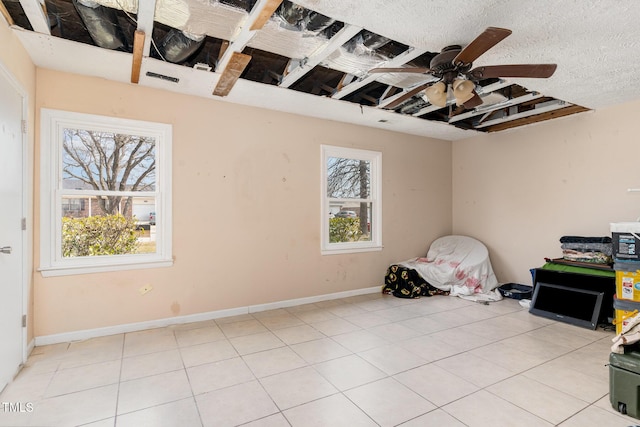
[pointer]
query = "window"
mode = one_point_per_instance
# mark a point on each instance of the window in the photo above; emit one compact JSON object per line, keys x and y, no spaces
{"x":100,"y":179}
{"x":351,"y":200}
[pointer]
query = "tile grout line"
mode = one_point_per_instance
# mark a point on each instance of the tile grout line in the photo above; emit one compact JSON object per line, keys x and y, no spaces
{"x":345,"y":317}
{"x":186,"y":373}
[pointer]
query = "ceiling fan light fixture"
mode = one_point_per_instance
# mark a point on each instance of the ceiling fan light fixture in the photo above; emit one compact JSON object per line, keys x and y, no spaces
{"x":462,"y":88}
{"x":437,"y":94}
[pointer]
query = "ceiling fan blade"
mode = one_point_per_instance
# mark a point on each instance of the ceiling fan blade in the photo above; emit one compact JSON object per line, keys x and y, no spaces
{"x":485,"y":41}
{"x":473,"y":102}
{"x":540,"y":71}
{"x":400,"y":70}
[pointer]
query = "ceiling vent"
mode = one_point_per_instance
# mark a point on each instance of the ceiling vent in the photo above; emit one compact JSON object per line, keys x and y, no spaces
{"x":162,"y":77}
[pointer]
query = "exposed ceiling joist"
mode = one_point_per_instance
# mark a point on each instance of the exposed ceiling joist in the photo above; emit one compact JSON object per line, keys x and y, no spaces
{"x":5,"y":13}
{"x":349,"y":89}
{"x":255,"y":21}
{"x":500,"y":84}
{"x":554,"y":105}
{"x":232,"y":72}
{"x":346,"y":79}
{"x":235,"y":46}
{"x":146,"y":13}
{"x":138,"y":47}
{"x":265,"y":10}
{"x":343,"y":36}
{"x":394,"y":101}
{"x":401,"y":59}
{"x":389,"y":92}
{"x":510,"y":103}
{"x":224,"y":45}
{"x":430,"y":108}
{"x":566,"y":111}
{"x":298,"y":45}
{"x":37,"y":15}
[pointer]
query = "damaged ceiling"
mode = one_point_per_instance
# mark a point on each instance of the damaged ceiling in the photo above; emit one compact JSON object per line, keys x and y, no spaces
{"x":315,"y":57}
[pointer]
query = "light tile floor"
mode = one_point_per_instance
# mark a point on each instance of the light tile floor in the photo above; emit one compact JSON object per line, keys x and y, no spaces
{"x":370,"y":360}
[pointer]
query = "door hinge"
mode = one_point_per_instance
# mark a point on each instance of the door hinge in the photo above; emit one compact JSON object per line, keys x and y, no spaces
{"x":24,"y":320}
{"x":24,"y":127}
{"x":23,"y":224}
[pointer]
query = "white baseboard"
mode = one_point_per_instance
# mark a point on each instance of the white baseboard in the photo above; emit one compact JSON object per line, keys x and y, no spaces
{"x":310,"y":300}
{"x":30,"y":348}
{"x":159,"y":323}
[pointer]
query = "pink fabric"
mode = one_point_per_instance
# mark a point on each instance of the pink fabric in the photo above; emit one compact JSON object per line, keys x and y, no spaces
{"x":458,"y":264}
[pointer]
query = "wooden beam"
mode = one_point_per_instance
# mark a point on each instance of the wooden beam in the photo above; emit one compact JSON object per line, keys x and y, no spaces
{"x":371,"y":99}
{"x":331,"y":90}
{"x":5,"y":13}
{"x":232,"y":72}
{"x":388,"y":93}
{"x":345,"y":80}
{"x":406,"y":95}
{"x":138,"y":49}
{"x":265,"y":14}
{"x":572,"y":109}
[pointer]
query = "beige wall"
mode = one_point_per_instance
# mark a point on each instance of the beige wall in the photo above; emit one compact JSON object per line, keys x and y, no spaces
{"x":246,"y":208}
{"x":15,"y":60}
{"x":520,"y":191}
{"x":246,"y":199}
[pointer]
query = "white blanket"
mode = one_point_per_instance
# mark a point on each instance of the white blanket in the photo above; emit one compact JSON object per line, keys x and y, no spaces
{"x":630,"y":334}
{"x":460,"y":265}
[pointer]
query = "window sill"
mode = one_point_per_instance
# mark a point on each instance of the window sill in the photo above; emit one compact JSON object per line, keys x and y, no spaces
{"x":350,"y":250}
{"x":83,"y":269}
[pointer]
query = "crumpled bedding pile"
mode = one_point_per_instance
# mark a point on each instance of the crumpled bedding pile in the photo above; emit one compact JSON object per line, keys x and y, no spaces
{"x":595,"y":250}
{"x":458,"y":265}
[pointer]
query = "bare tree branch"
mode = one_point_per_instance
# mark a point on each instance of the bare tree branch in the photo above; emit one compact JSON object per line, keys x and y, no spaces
{"x":350,"y":179}
{"x":108,"y":161}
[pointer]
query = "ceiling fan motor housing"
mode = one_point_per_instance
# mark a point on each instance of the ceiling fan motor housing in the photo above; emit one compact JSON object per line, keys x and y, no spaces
{"x":442,"y":65}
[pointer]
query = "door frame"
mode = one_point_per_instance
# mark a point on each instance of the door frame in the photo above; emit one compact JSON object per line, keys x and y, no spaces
{"x":26,"y":208}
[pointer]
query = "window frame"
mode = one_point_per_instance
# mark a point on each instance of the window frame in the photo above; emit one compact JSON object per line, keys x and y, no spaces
{"x":375,"y":198}
{"x":52,"y":263}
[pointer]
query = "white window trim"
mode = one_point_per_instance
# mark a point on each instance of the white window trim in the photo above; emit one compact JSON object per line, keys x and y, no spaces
{"x":52,"y":122}
{"x":375,"y":159}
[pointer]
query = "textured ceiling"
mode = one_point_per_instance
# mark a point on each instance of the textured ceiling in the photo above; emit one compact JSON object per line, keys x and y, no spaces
{"x":596,"y":45}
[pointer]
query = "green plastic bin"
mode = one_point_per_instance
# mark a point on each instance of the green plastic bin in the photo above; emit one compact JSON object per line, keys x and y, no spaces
{"x":624,"y":382}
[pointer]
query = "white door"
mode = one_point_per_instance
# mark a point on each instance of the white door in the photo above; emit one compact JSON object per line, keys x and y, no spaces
{"x":11,"y":250}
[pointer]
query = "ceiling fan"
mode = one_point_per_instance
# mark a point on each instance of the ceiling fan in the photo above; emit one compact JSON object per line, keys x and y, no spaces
{"x":452,"y":66}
